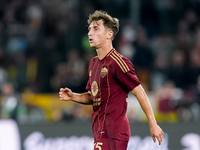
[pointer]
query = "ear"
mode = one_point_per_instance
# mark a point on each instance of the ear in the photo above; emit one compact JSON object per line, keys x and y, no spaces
{"x":109,"y":34}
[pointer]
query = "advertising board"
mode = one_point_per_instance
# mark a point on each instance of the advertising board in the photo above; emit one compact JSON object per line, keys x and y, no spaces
{"x":78,"y":136}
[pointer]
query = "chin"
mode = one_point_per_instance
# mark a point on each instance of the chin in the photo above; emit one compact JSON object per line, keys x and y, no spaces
{"x":93,"y":46}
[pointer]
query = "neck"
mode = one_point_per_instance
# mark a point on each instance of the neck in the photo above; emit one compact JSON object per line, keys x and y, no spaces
{"x":103,"y":51}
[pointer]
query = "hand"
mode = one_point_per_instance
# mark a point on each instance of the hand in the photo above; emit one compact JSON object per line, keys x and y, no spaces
{"x":65,"y":94}
{"x":156,"y":132}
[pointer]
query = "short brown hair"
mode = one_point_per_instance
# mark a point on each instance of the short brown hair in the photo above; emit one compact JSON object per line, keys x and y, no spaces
{"x":108,"y":21}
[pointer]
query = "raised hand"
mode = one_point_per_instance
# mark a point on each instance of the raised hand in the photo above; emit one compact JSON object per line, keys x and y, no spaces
{"x":65,"y":94}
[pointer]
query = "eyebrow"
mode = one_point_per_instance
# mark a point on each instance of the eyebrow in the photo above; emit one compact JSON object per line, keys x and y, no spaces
{"x":95,"y":26}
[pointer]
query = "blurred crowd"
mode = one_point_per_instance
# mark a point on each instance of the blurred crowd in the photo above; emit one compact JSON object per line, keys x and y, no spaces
{"x":44,"y":46}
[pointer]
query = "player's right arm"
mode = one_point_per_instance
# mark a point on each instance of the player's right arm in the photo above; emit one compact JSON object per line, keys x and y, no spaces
{"x":83,"y":98}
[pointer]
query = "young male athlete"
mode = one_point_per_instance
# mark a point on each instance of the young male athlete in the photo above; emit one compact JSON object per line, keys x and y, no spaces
{"x":111,"y":77}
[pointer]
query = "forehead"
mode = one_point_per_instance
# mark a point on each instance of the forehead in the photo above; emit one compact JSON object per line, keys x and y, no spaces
{"x":96,"y":23}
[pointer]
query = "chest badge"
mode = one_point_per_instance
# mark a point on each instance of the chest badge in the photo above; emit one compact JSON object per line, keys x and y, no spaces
{"x":104,"y":72}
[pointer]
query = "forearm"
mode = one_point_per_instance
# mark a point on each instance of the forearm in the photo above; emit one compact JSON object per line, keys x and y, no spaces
{"x":83,"y":98}
{"x":156,"y":131}
{"x":146,"y":107}
{"x":142,"y":98}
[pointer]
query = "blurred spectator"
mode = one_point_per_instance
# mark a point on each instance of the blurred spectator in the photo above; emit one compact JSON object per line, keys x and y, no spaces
{"x":167,"y":98}
{"x":149,"y":17}
{"x":159,"y":73}
{"x":77,"y":71}
{"x":143,"y":57}
{"x":188,"y":108}
{"x":76,"y":112}
{"x":16,"y":44}
{"x":71,"y":74}
{"x":178,"y":71}
{"x":195,"y":59}
{"x":12,"y":107}
{"x":191,"y":19}
{"x":17,"y":70}
{"x":9,"y":102}
{"x":34,"y":14}
{"x":61,"y":77}
{"x":196,"y":108}
{"x":162,"y":46}
{"x":34,"y":115}
{"x":3,"y":77}
{"x":127,"y":38}
{"x":168,"y":15}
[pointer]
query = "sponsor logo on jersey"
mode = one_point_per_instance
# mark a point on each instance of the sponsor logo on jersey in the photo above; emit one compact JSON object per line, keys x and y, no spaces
{"x":96,"y":101}
{"x":104,"y":72}
{"x":94,"y":88}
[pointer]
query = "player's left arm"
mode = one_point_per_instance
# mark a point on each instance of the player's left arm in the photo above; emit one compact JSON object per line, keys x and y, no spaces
{"x":156,"y":131}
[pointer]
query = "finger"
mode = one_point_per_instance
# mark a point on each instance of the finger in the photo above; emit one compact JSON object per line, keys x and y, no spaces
{"x":160,"y":141}
{"x":60,"y":94}
{"x":162,"y":135}
{"x":61,"y":97}
{"x":66,"y":89}
{"x":154,"y":139}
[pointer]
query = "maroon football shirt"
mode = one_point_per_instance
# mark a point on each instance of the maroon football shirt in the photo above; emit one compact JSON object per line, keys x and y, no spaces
{"x":110,"y":80}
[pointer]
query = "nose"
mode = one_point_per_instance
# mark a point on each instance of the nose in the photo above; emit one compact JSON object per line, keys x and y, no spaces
{"x":89,"y":33}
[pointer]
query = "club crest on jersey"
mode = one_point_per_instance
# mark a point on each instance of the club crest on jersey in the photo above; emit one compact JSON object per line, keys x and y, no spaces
{"x":94,"y":88}
{"x":104,"y":72}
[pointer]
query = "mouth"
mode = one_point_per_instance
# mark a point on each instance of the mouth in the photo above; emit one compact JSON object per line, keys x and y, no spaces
{"x":90,"y":40}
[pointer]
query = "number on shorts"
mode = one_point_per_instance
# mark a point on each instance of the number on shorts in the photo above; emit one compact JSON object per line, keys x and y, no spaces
{"x":97,"y":145}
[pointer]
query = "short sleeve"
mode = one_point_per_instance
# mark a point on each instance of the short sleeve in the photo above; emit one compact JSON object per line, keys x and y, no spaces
{"x":125,"y":74}
{"x":88,"y":87}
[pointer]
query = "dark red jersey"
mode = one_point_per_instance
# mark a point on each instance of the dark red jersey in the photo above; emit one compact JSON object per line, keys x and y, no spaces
{"x":110,"y":81}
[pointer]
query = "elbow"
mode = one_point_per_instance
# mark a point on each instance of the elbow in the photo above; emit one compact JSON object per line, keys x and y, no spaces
{"x":139,"y":92}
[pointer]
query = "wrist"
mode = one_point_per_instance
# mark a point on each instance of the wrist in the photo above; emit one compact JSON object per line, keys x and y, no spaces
{"x":73,"y":97}
{"x":152,"y":122}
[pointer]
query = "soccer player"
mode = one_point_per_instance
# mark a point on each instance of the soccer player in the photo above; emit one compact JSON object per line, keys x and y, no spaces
{"x":111,"y":77}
